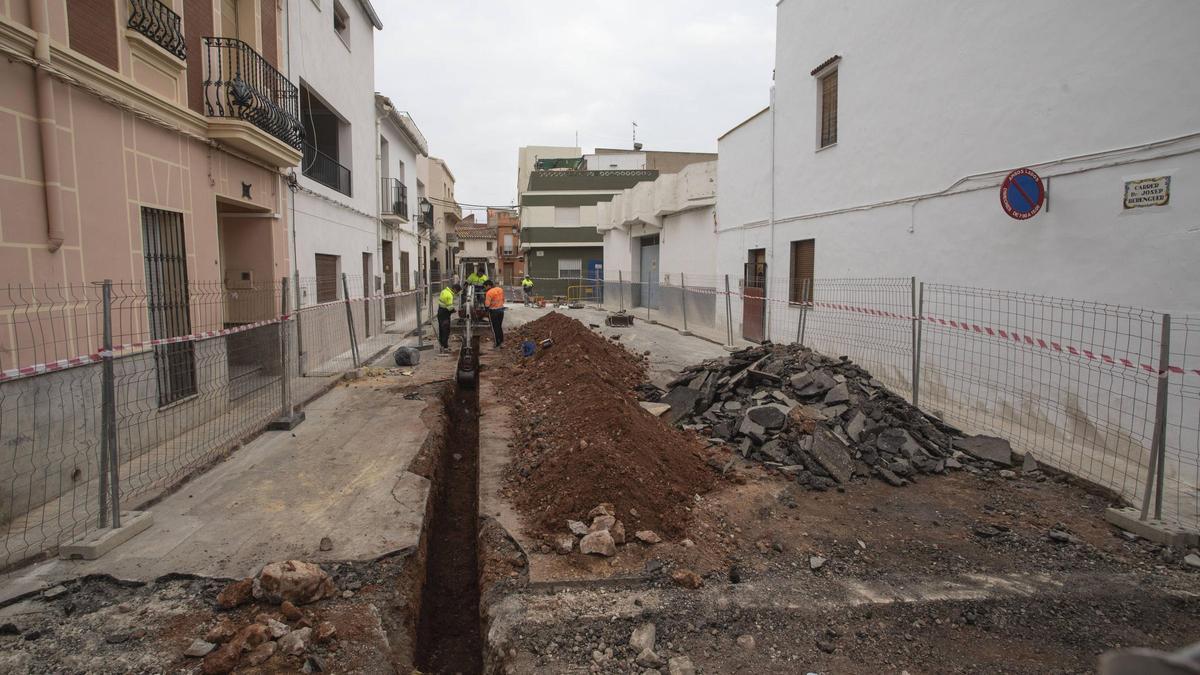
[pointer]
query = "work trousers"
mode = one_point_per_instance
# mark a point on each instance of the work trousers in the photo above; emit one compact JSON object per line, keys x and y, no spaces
{"x":528,"y":294}
{"x":497,"y":318}
{"x":444,"y":327}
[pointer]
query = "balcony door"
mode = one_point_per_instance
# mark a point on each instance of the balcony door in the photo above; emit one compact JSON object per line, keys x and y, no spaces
{"x":231,"y":25}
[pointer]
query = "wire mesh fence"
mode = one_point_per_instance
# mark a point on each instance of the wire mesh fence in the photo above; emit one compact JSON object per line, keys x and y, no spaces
{"x":1074,"y":383}
{"x":112,"y":393}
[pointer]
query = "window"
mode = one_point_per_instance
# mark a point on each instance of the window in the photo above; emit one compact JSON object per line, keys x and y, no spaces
{"x":570,"y":268}
{"x":462,"y":245}
{"x":341,"y":22}
{"x":168,"y":303}
{"x":491,"y":245}
{"x":508,"y":244}
{"x":566,"y":216}
{"x":803,"y":257}
{"x":828,"y":93}
{"x":326,"y":156}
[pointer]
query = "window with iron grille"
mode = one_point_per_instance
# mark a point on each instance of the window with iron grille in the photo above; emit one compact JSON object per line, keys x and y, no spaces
{"x":802,"y":268}
{"x":168,"y":304}
{"x":829,"y":105}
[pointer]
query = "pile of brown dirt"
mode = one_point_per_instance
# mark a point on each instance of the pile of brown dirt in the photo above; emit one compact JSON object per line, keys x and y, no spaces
{"x":583,"y":439}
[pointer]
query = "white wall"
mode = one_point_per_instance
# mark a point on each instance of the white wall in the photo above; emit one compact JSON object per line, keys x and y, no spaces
{"x":616,"y":161}
{"x":933,"y":92}
{"x":344,"y":77}
{"x":403,"y":235}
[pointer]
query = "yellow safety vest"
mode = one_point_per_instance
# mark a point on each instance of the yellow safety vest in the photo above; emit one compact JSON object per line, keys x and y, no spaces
{"x":527,"y":283}
{"x":446,"y":298}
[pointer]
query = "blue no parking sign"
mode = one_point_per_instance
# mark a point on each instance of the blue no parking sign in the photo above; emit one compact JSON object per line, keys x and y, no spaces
{"x":1022,"y":194}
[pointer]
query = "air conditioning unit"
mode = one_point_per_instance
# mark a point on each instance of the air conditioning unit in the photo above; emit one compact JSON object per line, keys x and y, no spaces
{"x":239,"y":280}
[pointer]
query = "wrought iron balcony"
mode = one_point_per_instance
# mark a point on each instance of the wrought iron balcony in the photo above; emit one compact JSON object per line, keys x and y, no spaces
{"x":325,"y":170}
{"x":395,"y":198}
{"x":240,"y":84}
{"x":157,"y":22}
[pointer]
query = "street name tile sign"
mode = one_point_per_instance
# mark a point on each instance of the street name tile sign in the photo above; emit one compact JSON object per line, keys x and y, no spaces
{"x":1147,"y":192}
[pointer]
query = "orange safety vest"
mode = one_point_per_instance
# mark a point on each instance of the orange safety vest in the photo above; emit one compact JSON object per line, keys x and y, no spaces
{"x":494,"y":299}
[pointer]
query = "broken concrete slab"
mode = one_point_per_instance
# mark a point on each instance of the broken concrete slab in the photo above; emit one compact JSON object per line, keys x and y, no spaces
{"x":683,"y":401}
{"x":656,"y":409}
{"x":770,"y":417}
{"x":988,"y":448}
{"x":1158,"y":531}
{"x":832,"y":455}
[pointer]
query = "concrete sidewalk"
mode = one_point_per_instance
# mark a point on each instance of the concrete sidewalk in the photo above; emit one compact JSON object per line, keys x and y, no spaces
{"x":342,"y":474}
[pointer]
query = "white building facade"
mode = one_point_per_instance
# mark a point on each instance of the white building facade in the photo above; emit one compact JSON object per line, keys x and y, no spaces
{"x":401,"y":246}
{"x":336,"y":228}
{"x":908,"y":183}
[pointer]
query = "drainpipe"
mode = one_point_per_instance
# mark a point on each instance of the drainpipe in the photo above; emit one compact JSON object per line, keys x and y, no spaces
{"x":39,"y":15}
{"x":771,"y":213}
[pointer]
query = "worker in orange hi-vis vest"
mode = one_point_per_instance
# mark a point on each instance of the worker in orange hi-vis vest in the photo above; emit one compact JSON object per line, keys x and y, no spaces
{"x":493,"y":300}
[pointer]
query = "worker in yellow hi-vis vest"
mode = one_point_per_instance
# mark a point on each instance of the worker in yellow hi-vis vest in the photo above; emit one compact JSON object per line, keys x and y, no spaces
{"x":447,"y":300}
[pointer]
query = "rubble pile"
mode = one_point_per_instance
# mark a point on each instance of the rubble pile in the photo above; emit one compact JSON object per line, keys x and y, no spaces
{"x":582,"y":438}
{"x":288,"y":632}
{"x":820,"y":419}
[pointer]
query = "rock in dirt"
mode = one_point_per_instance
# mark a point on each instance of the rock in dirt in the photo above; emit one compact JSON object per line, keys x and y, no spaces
{"x":295,"y":642}
{"x":1029,"y":464}
{"x":618,"y":533}
{"x":236,"y":594}
{"x":687,"y":578}
{"x":325,"y":632}
{"x":222,"y":632}
{"x":746,"y":642}
{"x":815,"y":562}
{"x":261,"y":654}
{"x":602,"y":523}
{"x":681,"y":665}
{"x":278,"y":628}
{"x":656,"y":409}
{"x":989,"y":448}
{"x":599,"y":543}
{"x":294,"y":580}
{"x":642,"y":637}
{"x":563,"y":544}
{"x":647,"y":537}
{"x":647,"y":658}
{"x":199,"y":648}
{"x":251,"y":636}
{"x":290,"y":611}
{"x":577,"y":528}
{"x":221,"y":661}
{"x":1192,"y":560}
{"x":313,"y":664}
{"x":326,"y":544}
{"x":603,"y":509}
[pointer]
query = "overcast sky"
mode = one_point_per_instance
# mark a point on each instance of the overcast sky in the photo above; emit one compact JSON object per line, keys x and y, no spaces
{"x":484,"y":78}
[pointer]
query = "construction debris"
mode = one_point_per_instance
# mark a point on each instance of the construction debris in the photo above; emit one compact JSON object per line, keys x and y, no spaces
{"x":583,"y":439}
{"x":819,"y":419}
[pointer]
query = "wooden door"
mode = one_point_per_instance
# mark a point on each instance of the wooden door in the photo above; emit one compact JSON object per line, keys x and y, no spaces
{"x":389,"y":282}
{"x":754,"y":292}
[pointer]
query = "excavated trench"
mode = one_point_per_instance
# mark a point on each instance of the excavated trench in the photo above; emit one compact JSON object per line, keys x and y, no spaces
{"x":448,"y":632}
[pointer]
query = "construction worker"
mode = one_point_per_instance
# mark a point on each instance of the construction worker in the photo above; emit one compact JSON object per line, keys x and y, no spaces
{"x":527,"y":290}
{"x":494,"y":301}
{"x":446,"y":302}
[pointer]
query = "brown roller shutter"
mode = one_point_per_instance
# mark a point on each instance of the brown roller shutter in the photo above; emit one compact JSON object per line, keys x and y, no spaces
{"x":93,"y":30}
{"x":802,"y":269}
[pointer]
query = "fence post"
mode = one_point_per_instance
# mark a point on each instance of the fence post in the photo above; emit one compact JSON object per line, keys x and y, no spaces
{"x":728,"y":316}
{"x":106,"y":400}
{"x":918,"y":300}
{"x":683,"y":302}
{"x":805,"y":287}
{"x":1155,"y":474}
{"x":299,"y":331}
{"x":420,"y":328}
{"x":350,"y":321}
{"x":288,"y":417}
{"x":621,"y":288}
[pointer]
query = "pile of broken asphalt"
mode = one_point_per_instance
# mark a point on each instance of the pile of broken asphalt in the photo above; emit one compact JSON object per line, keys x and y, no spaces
{"x":821,"y":420}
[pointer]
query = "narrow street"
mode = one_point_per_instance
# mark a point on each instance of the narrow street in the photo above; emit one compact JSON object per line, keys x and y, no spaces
{"x":691,"y":337}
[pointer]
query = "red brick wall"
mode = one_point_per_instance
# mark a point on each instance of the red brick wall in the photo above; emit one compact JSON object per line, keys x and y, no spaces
{"x":197,"y":23}
{"x":269,"y":49}
{"x":93,"y":30}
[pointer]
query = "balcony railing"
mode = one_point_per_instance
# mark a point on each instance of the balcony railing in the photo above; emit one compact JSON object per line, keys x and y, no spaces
{"x":325,"y":170}
{"x":157,"y":22}
{"x":395,"y":198}
{"x":240,"y":84}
